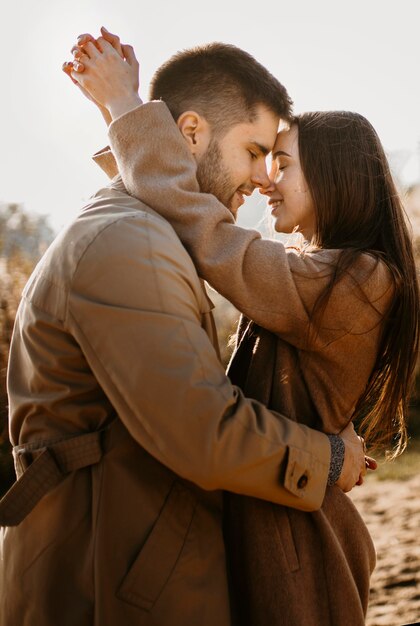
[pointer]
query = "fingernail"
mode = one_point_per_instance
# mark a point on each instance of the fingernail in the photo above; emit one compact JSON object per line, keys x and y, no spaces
{"x":105,"y":29}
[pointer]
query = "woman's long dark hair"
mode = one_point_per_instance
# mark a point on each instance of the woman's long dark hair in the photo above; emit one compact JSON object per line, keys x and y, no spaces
{"x":358,"y":209}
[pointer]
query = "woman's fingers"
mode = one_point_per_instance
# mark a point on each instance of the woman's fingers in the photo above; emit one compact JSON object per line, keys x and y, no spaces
{"x":77,"y":51}
{"x":84,"y":38}
{"x":70,"y":67}
{"x":128,"y":52}
{"x":105,"y":71}
{"x":78,"y":67}
{"x":77,"y":75}
{"x":81,"y":57}
{"x":131,"y":60}
{"x":114,"y":40}
{"x":87,"y":44}
{"x":67,"y":68}
{"x":91,"y":49}
{"x":371,"y":463}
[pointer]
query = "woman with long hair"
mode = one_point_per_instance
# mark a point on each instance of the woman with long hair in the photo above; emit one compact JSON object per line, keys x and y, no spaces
{"x":329,"y":332}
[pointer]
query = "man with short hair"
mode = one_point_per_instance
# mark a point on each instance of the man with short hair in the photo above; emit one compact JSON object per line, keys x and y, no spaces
{"x":126,"y":428}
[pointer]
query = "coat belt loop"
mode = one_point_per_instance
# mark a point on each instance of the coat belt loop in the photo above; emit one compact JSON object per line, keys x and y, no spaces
{"x":41,"y":467}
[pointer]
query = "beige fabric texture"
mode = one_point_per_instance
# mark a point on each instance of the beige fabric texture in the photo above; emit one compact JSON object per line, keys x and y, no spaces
{"x":299,"y":568}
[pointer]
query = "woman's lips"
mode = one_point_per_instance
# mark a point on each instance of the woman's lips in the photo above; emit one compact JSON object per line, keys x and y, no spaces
{"x":275,"y":205}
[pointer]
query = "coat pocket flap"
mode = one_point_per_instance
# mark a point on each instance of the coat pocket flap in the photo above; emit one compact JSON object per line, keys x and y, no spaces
{"x":157,"y":558}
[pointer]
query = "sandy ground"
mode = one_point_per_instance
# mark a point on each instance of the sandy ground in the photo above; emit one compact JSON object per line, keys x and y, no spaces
{"x":391,"y":510}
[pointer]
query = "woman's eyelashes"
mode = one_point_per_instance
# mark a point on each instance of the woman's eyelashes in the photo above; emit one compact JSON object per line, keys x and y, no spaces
{"x":280,"y":172}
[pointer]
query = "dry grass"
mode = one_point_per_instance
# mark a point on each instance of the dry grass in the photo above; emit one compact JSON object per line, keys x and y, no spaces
{"x":403,"y":467}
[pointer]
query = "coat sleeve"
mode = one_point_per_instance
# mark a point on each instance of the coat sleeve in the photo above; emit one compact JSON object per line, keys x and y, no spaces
{"x":274,"y":286}
{"x":135,"y":312}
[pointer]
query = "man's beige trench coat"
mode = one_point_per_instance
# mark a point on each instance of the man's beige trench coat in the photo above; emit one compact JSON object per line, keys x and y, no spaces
{"x":127,"y":431}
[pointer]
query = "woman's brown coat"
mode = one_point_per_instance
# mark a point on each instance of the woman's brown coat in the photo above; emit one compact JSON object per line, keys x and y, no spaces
{"x":291,"y":567}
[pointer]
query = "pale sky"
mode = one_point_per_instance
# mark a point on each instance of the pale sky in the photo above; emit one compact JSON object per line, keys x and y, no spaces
{"x":361,"y":55}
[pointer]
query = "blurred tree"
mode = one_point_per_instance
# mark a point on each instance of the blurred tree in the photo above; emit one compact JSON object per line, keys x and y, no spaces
{"x":22,"y":233}
{"x":23,"y":239}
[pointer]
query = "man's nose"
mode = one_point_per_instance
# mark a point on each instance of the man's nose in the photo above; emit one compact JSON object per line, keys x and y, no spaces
{"x":260,"y":179}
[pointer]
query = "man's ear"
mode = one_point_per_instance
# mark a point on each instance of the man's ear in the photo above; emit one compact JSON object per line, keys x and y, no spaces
{"x":196,"y":131}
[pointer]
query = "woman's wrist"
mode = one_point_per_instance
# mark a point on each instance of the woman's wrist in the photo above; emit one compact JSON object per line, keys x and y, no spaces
{"x":121,"y":105}
{"x":105,"y":114}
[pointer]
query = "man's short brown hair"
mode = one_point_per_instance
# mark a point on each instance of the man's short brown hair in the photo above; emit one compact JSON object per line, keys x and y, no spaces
{"x":222,"y":83}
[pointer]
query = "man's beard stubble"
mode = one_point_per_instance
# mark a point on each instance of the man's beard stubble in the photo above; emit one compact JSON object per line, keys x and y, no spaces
{"x":213,"y":177}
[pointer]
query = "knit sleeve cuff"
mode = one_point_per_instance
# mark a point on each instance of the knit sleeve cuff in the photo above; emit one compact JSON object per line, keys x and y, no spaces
{"x":337,"y":458}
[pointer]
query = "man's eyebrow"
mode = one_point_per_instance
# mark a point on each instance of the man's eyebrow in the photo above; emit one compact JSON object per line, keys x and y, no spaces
{"x":263,"y":149}
{"x":278,"y":153}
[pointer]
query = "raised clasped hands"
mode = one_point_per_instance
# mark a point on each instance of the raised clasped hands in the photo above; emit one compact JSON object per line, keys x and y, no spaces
{"x":107,"y":73}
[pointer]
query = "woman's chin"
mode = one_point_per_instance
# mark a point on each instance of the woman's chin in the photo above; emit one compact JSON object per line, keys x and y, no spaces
{"x":282,"y":228}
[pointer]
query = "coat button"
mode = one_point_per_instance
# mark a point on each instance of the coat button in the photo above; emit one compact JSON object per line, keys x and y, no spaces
{"x":303,"y":481}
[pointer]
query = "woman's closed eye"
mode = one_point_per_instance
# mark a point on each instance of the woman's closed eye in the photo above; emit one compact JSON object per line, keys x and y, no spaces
{"x":279,"y":173}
